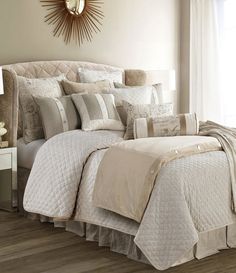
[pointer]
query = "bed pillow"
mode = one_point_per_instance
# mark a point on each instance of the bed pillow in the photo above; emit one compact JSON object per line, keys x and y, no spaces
{"x":77,"y":87}
{"x":134,"y":95}
{"x":58,"y":115}
{"x":97,"y":112}
{"x":89,"y":76}
{"x":144,"y":111}
{"x":44,"y":87}
{"x":180,"y":125}
{"x":157,"y":93}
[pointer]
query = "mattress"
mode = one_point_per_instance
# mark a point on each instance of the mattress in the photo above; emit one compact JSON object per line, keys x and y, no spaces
{"x":26,"y":153}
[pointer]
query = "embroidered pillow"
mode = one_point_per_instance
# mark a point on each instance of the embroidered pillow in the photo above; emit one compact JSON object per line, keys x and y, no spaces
{"x":77,"y":87}
{"x":89,"y":76}
{"x":180,"y":125}
{"x":58,"y":115}
{"x":44,"y":87}
{"x":144,"y":111}
{"x":97,"y":112}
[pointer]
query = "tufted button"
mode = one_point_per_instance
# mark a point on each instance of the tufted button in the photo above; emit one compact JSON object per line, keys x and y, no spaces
{"x":152,"y":171}
{"x":176,"y":151}
{"x":199,"y":147}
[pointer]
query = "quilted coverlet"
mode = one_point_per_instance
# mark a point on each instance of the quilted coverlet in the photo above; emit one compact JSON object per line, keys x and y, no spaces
{"x":54,"y":179}
{"x":191,"y":195}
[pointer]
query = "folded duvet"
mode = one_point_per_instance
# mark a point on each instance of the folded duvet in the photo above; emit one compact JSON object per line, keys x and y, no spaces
{"x":125,"y":187}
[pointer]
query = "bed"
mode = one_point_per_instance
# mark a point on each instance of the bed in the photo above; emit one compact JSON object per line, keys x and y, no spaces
{"x":197,"y":232}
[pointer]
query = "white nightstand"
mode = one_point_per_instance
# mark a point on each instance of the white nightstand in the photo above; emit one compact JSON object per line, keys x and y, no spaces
{"x":8,"y":179}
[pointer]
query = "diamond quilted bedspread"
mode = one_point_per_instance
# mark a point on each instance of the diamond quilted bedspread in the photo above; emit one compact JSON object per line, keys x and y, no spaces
{"x":191,"y":195}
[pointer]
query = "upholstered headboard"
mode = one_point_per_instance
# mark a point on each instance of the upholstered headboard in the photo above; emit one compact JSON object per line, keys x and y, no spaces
{"x":9,"y":102}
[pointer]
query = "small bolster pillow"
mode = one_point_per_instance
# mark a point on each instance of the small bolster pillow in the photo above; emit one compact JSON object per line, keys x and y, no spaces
{"x":180,"y":125}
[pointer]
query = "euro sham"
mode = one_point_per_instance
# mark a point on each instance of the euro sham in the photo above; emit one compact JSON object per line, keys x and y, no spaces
{"x":44,"y":87}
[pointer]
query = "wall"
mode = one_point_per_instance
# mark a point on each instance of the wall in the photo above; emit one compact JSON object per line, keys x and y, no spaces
{"x":135,"y":34}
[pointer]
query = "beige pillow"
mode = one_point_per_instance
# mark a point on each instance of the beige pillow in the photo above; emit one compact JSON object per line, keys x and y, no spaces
{"x":97,"y":112}
{"x":180,"y":125}
{"x":144,"y":111}
{"x":44,"y":87}
{"x":77,"y":87}
{"x":58,"y":115}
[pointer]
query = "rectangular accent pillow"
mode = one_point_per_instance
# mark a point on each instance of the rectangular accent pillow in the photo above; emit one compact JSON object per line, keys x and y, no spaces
{"x":77,"y":87}
{"x":97,"y":112}
{"x":180,"y":125}
{"x":44,"y":87}
{"x":144,"y":111}
{"x":58,"y":115}
{"x":157,"y":93}
{"x":89,"y":76}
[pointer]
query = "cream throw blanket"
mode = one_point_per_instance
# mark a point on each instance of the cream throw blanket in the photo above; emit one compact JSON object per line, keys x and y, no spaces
{"x":127,"y":173}
{"x":227,"y":138}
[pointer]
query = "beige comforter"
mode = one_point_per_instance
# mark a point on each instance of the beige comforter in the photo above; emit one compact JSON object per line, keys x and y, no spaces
{"x":127,"y":173}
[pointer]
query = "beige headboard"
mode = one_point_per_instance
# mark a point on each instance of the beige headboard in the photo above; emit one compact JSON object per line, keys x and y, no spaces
{"x":9,"y":102}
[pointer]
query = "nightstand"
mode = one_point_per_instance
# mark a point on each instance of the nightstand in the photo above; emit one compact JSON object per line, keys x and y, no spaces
{"x":8,"y":179}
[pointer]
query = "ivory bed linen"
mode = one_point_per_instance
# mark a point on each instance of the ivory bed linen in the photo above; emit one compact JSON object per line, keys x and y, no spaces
{"x":125,"y":187}
{"x":191,"y":195}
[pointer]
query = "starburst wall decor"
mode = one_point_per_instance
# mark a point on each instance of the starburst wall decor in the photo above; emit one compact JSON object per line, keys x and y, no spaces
{"x":74,"y":19}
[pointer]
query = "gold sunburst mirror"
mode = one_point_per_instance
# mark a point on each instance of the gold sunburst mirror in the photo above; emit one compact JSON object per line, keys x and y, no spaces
{"x":74,"y":19}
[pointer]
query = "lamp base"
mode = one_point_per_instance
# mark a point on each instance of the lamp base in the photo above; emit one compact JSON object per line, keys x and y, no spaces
{"x":3,"y":144}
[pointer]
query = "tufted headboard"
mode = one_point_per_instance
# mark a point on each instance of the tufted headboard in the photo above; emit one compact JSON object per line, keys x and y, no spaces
{"x":9,"y":102}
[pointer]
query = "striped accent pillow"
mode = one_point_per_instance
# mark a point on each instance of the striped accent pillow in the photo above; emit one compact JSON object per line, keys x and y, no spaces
{"x":144,"y":111}
{"x":97,"y":112}
{"x":180,"y":125}
{"x":58,"y":115}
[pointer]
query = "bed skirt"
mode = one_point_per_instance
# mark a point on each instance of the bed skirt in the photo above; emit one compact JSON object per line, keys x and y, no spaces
{"x":209,"y":243}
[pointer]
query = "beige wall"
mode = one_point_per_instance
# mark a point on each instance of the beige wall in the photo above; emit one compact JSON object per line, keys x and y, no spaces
{"x":135,"y":34}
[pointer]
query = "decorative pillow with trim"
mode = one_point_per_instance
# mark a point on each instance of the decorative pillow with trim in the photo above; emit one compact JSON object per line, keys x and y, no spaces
{"x":58,"y":115}
{"x":97,"y":112}
{"x":180,"y":125}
